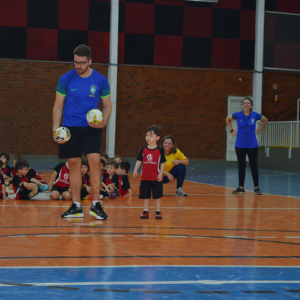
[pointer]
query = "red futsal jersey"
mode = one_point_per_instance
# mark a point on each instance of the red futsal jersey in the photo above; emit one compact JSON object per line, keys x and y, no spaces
{"x":123,"y":185}
{"x":86,"y":180}
{"x":13,"y":172}
{"x":151,"y":160}
{"x":34,"y":174}
{"x":20,"y":192}
{"x":62,"y":178}
{"x":2,"y":182}
{"x":114,"y":179}
{"x":5,"y":171}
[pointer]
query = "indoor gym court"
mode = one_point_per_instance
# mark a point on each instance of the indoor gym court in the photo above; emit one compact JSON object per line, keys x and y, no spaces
{"x":209,"y":245}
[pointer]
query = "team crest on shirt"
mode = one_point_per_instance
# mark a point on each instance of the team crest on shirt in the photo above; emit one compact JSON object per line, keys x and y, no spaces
{"x":149,"y":156}
{"x":252,"y":121}
{"x":150,"y":159}
{"x":93,"y":89}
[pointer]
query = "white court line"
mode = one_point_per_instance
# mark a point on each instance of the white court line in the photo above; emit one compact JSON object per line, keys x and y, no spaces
{"x":45,"y":235}
{"x":16,"y":236}
{"x":266,"y":237}
{"x":160,"y":282}
{"x":140,"y":207}
{"x":292,"y":237}
{"x":81,"y":224}
{"x":148,"y":266}
{"x":178,"y":236}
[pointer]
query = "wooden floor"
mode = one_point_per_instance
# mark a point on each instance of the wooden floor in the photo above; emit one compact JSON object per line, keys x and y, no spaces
{"x":208,"y":227}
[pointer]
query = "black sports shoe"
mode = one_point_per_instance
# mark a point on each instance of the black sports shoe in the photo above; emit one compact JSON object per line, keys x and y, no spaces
{"x":257,"y":191}
{"x":73,"y":212}
{"x":239,"y":191}
{"x":98,"y":212}
{"x":145,"y":214}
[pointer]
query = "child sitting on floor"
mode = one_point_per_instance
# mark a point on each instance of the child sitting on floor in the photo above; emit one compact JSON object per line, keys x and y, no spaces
{"x":59,"y":183}
{"x":104,"y":156}
{"x":124,"y":185}
{"x":111,"y":180}
{"x":24,"y":186}
{"x":3,"y":194}
{"x":5,"y":170}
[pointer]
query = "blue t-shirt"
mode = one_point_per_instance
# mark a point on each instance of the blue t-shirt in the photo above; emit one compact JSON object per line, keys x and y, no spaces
{"x":246,"y":137}
{"x":82,"y":95}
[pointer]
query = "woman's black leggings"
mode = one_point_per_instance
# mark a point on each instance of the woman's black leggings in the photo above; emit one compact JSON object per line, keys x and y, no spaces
{"x":241,"y":156}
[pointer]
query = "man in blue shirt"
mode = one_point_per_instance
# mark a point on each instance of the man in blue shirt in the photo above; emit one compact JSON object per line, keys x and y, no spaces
{"x":79,"y":91}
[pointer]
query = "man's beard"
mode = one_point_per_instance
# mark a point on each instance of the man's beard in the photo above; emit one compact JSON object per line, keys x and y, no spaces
{"x":81,"y":71}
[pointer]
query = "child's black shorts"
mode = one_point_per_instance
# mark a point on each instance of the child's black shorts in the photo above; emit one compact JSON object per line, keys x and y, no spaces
{"x":87,"y":139}
{"x":60,"y":189}
{"x":84,"y":193}
{"x":147,"y":186}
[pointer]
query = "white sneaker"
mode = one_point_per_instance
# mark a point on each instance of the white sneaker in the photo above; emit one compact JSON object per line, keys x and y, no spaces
{"x":180,"y":192}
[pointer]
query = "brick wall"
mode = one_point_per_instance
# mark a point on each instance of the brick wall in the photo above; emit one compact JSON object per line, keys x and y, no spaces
{"x":189,"y":104}
{"x":288,"y":92}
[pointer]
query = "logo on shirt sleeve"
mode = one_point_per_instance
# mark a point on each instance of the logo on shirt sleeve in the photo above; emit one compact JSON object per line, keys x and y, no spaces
{"x":93,"y":89}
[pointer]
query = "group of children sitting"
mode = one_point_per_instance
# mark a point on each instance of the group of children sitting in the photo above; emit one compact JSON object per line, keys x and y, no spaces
{"x":114,"y":183}
{"x":27,"y":183}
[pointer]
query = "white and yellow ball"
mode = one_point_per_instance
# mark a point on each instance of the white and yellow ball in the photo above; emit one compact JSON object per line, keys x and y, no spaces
{"x":62,"y":134}
{"x":94,"y":116}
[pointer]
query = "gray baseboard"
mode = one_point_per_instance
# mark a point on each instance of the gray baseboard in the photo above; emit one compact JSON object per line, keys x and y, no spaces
{"x":278,"y":159}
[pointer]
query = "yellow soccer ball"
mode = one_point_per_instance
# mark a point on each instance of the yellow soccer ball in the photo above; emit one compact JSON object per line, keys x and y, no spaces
{"x":94,"y":116}
{"x":62,"y":134}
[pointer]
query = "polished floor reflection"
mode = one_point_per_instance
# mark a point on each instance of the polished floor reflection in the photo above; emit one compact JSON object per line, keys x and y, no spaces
{"x":255,"y":241}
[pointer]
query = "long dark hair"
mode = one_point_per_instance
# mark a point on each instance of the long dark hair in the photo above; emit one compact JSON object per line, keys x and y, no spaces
{"x":174,"y":149}
{"x":248,"y":98}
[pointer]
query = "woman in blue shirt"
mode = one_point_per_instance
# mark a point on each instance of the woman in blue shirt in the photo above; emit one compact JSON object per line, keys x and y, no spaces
{"x":246,"y":142}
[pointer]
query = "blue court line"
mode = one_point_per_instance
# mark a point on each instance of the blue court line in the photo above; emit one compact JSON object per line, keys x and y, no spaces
{"x":157,"y":282}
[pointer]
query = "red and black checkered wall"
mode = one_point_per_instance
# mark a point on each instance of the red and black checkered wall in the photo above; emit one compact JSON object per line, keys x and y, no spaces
{"x":282,"y":35}
{"x":151,"y":32}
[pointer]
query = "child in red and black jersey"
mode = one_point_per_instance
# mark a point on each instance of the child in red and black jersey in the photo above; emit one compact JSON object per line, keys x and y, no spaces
{"x":111,"y":180}
{"x":59,"y":183}
{"x":124,"y":185}
{"x":104,"y":156}
{"x":5,"y":170}
{"x":13,"y":171}
{"x":3,"y":194}
{"x":85,"y":188}
{"x":24,"y":186}
{"x":153,"y":160}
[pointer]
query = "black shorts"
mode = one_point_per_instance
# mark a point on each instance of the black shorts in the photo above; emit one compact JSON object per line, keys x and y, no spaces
{"x":87,"y":139}
{"x":147,"y":186}
{"x":84,"y":193}
{"x":60,"y":189}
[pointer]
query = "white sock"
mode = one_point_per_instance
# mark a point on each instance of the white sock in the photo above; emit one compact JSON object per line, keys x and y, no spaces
{"x":95,"y":202}
{"x":146,"y":209}
{"x":78,"y":204}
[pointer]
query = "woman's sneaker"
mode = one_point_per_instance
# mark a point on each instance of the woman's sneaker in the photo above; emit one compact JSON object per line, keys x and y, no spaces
{"x":257,"y":191}
{"x":98,"y":212}
{"x":144,"y":215}
{"x":239,"y":191}
{"x":180,"y":192}
{"x":73,"y":212}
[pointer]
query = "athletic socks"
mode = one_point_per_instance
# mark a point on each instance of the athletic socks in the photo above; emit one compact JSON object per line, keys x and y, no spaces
{"x":78,"y":204}
{"x":95,"y":202}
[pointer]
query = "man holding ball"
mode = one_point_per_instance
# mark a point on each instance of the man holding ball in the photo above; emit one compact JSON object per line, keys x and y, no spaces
{"x":79,"y":91}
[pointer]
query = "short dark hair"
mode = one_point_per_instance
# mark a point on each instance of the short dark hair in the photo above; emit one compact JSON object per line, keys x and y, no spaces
{"x":113,"y":163}
{"x":21,"y":164}
{"x":156,"y":129}
{"x":102,"y":161}
{"x":16,"y":157}
{"x":174,"y":149}
{"x":85,"y":163}
{"x":118,"y":156}
{"x":83,"y":50}
{"x":103,"y":154}
{"x":125,"y":165}
{"x":6,"y":155}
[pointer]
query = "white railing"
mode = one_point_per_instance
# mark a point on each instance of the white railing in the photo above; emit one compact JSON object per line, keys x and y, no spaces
{"x":282,"y":134}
